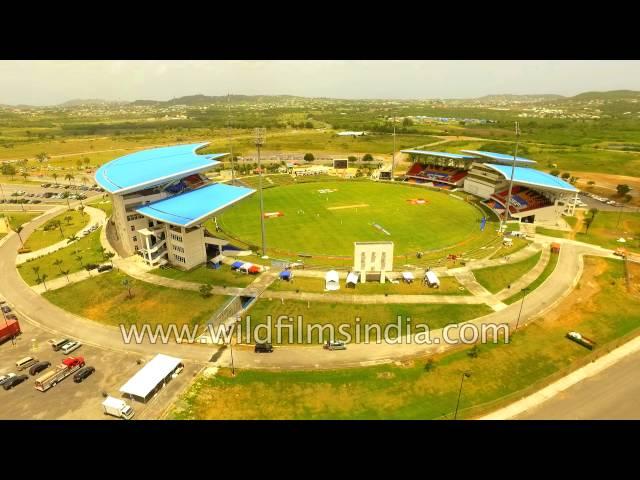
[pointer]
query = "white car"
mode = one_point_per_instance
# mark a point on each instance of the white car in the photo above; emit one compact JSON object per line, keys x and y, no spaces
{"x":611,"y":202}
{"x":4,"y":378}
{"x":70,"y":347}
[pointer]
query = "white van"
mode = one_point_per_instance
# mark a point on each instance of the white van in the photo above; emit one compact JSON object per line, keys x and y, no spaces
{"x":26,"y":362}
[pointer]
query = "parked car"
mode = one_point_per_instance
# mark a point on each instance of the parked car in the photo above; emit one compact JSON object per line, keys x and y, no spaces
{"x":6,"y":308}
{"x":263,"y":348}
{"x":4,"y":378}
{"x":335,"y":345}
{"x":104,"y":268}
{"x":58,"y":344}
{"x":70,"y":347}
{"x":25,"y":362}
{"x":91,"y":266}
{"x":38,"y":367}
{"x":13,"y":381}
{"x":83,"y":373}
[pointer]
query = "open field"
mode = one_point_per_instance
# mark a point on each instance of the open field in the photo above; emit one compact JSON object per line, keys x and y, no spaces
{"x":71,"y":221}
{"x":548,"y":270}
{"x":321,"y":313}
{"x":104,"y":299}
{"x":500,"y":373}
{"x":448,"y":286}
{"x":495,"y":279}
{"x":224,"y":276}
{"x":443,"y":222}
{"x":87,"y":247}
{"x":18,"y":218}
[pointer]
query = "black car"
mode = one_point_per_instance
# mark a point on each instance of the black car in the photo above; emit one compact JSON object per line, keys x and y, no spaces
{"x":13,"y":381}
{"x":91,"y":266}
{"x":83,"y":373}
{"x":263,"y":348}
{"x":38,"y":367}
{"x":104,"y":268}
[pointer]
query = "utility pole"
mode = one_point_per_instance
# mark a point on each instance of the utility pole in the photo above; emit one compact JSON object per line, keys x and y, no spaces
{"x":393,"y":159}
{"x":524,"y":292}
{"x":507,"y":212}
{"x":464,"y":375}
{"x":233,"y":173}
{"x":259,"y":141}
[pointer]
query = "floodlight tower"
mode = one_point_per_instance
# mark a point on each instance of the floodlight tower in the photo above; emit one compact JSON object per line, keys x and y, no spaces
{"x":233,"y":172}
{"x":259,"y":141}
{"x":393,"y":158}
{"x":507,"y":213}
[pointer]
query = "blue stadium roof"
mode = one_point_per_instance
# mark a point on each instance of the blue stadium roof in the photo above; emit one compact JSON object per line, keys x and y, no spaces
{"x":156,"y":166}
{"x":193,"y":207}
{"x":455,"y":156}
{"x":533,"y":178}
{"x":498,"y":157}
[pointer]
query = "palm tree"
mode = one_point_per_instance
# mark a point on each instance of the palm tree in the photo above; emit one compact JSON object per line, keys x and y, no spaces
{"x":66,"y":274}
{"x":71,"y":239}
{"x":81,"y":208}
{"x":55,"y":177}
{"x":18,"y":230}
{"x":126,"y":283}
{"x":36,"y":270}
{"x":58,"y":264}
{"x":24,"y":175}
{"x":69,"y":177}
{"x":79,"y":259}
{"x":57,"y":224}
{"x":41,"y":157}
{"x":42,"y":280}
{"x":68,"y":219}
{"x":109,"y":256}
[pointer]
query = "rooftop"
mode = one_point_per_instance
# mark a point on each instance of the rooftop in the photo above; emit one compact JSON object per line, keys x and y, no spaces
{"x":455,"y":156}
{"x":534,"y":178}
{"x":148,"y":168}
{"x":194,"y":206}
{"x":498,"y":157}
{"x":149,"y":376}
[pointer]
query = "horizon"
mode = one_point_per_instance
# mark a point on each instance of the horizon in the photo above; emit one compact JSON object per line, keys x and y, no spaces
{"x":46,"y":83}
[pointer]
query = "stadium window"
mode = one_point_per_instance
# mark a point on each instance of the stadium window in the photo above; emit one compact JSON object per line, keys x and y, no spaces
{"x":373,"y":258}
{"x":363,"y":261}
{"x":383,"y":260}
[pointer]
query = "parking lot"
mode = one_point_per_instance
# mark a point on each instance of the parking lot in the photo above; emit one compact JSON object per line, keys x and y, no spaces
{"x":70,"y":400}
{"x":29,"y":194}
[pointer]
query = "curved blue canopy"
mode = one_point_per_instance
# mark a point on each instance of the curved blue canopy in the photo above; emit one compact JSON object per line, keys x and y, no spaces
{"x":148,"y":168}
{"x":534,"y":178}
{"x":455,"y":156}
{"x":498,"y":157}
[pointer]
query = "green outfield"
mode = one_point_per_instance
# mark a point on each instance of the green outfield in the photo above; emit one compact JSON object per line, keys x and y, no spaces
{"x":325,"y":218}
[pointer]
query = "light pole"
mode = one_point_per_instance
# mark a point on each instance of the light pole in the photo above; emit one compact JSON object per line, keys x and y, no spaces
{"x":233,"y":367}
{"x":619,"y":214}
{"x":393,"y":158}
{"x":464,"y":375}
{"x":524,"y":291}
{"x":233,"y":173}
{"x":513,"y":171}
{"x":259,"y":141}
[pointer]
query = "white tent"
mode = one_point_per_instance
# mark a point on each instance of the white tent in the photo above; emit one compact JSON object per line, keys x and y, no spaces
{"x":331,"y":280}
{"x":352,"y":278}
{"x":149,"y":377}
{"x":432,"y":279}
{"x":407,"y":277}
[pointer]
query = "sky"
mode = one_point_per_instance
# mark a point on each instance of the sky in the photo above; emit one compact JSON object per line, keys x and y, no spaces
{"x":50,"y":82}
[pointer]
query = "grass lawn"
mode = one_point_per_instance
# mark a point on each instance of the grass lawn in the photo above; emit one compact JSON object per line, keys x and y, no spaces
{"x":517,"y":244}
{"x":328,"y":223}
{"x":321,"y":313}
{"x":223,"y":276}
{"x":18,"y":218}
{"x":71,"y":222}
{"x":105,"y":300}
{"x":88,"y":248}
{"x":102,"y":204}
{"x":410,"y":391}
{"x":548,"y":269}
{"x":552,"y":232}
{"x":495,"y":279}
{"x":448,"y":286}
{"x":610,"y":226}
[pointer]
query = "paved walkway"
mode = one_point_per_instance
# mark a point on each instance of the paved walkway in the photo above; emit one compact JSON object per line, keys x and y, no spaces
{"x":96,"y":216}
{"x":362,"y":299}
{"x":63,"y":281}
{"x":528,"y":278}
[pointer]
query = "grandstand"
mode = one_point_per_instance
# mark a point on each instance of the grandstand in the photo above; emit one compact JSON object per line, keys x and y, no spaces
{"x":536,"y":196}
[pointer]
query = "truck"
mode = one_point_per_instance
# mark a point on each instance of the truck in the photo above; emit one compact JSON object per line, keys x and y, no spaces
{"x":62,"y":371}
{"x":581,"y":340}
{"x":117,"y":408}
{"x":9,"y":329}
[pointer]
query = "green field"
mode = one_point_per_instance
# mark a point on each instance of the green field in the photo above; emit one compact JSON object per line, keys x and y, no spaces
{"x":87,"y":247}
{"x":315,"y":223}
{"x":500,"y":373}
{"x":448,"y":286}
{"x":71,"y":222}
{"x":18,"y":218}
{"x":324,"y":313}
{"x":548,"y":270}
{"x":224,"y":276}
{"x":495,"y":279}
{"x":104,"y":299}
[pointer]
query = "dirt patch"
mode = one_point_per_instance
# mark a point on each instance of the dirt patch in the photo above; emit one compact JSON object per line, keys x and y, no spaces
{"x":359,"y":205}
{"x":385,"y":375}
{"x":634,"y":278}
{"x":571,"y":310}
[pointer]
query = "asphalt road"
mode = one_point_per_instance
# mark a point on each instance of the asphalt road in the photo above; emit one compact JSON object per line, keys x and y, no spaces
{"x":613,"y":394}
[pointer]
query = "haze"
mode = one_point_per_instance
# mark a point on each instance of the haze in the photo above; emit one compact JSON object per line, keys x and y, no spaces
{"x":51,"y":82}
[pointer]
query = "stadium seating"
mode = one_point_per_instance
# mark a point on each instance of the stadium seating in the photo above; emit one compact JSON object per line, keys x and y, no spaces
{"x":522,"y":200}
{"x":441,"y":176}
